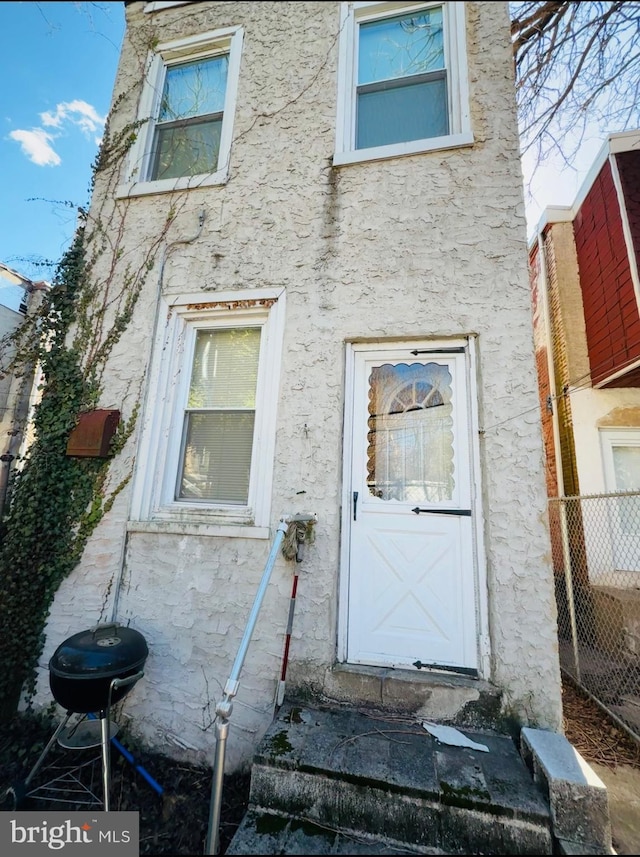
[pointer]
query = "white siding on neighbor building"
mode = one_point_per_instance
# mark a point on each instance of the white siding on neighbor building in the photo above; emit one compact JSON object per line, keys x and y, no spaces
{"x":9,"y":321}
{"x":425,"y":246}
{"x":593,"y":410}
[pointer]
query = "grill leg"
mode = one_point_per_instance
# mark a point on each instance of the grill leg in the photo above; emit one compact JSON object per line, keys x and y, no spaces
{"x":106,"y":758}
{"x":37,"y":765}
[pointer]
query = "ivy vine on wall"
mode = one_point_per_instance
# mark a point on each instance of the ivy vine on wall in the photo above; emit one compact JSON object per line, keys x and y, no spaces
{"x":57,"y":501}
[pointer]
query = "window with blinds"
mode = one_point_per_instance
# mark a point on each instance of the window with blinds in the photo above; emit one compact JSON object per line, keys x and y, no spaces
{"x":219,"y":418}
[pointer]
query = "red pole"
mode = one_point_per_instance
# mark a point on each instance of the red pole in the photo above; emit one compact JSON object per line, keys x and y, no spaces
{"x":287,"y":641}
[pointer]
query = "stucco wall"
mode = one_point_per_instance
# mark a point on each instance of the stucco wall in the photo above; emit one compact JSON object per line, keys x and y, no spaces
{"x":423,"y":246}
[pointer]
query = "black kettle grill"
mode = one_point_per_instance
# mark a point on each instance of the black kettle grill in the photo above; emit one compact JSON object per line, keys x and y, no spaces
{"x":88,"y":673}
{"x":83,"y":667}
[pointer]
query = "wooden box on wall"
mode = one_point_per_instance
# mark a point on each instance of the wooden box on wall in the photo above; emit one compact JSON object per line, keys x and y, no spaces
{"x":92,"y":436}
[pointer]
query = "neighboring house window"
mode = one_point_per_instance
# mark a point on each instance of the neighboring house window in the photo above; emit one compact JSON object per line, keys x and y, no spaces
{"x":209,"y":436}
{"x":402,"y":84}
{"x":621,"y":454}
{"x":621,"y":458}
{"x":186,"y":109}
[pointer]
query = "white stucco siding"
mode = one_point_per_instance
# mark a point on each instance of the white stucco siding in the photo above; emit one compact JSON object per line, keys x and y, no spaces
{"x":431,"y":245}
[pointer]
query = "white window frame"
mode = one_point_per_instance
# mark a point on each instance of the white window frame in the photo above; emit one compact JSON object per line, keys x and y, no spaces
{"x":609,"y":438}
{"x":159,"y":456}
{"x":159,"y":5}
{"x":225,"y":41}
{"x":460,"y":133}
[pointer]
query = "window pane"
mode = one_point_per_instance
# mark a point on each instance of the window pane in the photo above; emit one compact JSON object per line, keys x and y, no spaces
{"x":217,"y":457}
{"x":410,"y":433}
{"x":188,"y":151}
{"x":397,"y":47}
{"x":626,"y":465}
{"x":194,"y":89}
{"x":403,"y":113}
{"x":225,"y":369}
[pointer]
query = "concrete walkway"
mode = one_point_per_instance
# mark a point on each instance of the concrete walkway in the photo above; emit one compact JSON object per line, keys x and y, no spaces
{"x":623,"y":787}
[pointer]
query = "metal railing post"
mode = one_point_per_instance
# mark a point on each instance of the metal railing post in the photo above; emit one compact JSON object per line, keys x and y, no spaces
{"x":225,"y":705}
{"x":568,"y":580}
{"x":213,"y":830}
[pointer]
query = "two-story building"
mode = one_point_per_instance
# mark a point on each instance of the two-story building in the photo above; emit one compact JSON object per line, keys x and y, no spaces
{"x":336,"y":320}
{"x":586,"y":293}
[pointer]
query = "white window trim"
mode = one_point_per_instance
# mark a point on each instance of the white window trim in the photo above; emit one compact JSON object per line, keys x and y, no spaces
{"x":159,"y":5}
{"x":228,"y":40}
{"x":353,"y":14}
{"x":159,"y":452}
{"x":610,"y":437}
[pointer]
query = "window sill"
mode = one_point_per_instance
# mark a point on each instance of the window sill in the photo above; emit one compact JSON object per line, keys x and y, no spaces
{"x":230,"y":531}
{"x":159,"y":5}
{"x":398,"y":150}
{"x":132,"y":189}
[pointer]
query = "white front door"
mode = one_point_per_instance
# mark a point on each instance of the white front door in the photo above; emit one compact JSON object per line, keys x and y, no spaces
{"x":412,"y":580}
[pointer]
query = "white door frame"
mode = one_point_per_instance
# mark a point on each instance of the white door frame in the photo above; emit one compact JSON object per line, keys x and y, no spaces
{"x":402,"y":346}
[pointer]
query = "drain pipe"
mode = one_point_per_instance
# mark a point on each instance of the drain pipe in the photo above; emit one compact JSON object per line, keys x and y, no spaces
{"x":225,"y":705}
{"x":154,"y":332}
{"x":557,"y":450}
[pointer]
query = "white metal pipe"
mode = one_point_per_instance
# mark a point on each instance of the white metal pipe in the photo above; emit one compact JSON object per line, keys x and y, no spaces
{"x":224,"y":707}
{"x":234,"y":675}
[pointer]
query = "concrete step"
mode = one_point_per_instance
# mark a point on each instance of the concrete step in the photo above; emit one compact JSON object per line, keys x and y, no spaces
{"x":423,"y":694}
{"x":379,"y":782}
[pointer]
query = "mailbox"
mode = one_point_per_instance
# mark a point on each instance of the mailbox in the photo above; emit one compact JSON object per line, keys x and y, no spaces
{"x":92,"y":435}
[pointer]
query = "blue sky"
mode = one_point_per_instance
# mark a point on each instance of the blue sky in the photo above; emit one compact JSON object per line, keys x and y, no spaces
{"x":58,"y":65}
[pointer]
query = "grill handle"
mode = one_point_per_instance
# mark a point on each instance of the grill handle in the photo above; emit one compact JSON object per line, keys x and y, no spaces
{"x":122,"y":682}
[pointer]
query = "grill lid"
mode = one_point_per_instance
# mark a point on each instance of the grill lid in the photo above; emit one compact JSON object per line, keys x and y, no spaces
{"x":103,"y":651}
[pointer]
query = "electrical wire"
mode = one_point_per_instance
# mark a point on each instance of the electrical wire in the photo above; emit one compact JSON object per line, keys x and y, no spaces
{"x":580,"y":384}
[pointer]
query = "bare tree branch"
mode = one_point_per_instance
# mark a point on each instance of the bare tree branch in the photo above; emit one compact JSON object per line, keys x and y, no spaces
{"x":577,"y":71}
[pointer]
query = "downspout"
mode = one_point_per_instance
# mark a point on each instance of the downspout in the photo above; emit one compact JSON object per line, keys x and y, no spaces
{"x":557,"y":450}
{"x":544,"y":290}
{"x":156,"y":322}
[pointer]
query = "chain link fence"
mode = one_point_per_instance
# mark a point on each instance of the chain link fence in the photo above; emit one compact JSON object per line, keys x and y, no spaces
{"x":595,"y":542}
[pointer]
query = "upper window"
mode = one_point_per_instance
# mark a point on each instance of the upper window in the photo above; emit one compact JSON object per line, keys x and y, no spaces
{"x":187,"y":108}
{"x":187,"y":133}
{"x":402,"y":80}
{"x":209,"y":438}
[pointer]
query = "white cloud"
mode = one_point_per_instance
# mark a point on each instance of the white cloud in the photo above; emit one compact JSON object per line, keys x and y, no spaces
{"x":36,"y":146}
{"x":80,"y":113}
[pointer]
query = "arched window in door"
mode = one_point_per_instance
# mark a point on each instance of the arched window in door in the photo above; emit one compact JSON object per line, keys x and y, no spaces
{"x":410,"y":433}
